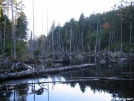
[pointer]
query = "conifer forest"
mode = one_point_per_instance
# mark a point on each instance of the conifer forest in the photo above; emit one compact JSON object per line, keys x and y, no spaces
{"x":95,"y":51}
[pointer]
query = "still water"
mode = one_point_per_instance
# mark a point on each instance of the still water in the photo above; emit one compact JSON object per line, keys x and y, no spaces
{"x":57,"y":91}
{"x":51,"y":88}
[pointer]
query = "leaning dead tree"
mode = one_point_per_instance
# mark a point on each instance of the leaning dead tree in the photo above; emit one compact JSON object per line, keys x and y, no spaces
{"x":37,"y":72}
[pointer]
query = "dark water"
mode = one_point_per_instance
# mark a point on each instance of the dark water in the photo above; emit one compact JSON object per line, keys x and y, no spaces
{"x":95,"y":90}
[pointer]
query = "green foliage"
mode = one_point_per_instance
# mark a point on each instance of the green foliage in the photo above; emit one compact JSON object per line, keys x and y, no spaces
{"x":20,"y":48}
{"x":6,"y":28}
{"x":84,"y":31}
{"x":9,"y":48}
{"x":128,"y":47}
{"x":97,"y":31}
{"x":36,"y":52}
{"x":21,"y":27}
{"x":115,"y":47}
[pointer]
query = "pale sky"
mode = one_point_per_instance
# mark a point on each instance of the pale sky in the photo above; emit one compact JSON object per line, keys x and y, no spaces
{"x":61,"y":11}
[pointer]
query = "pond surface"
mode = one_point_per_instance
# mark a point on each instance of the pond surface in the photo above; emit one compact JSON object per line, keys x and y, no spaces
{"x":51,"y":88}
{"x":59,"y":92}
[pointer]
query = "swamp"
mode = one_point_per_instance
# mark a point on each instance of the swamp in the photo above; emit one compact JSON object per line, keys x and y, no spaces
{"x":86,"y":58}
{"x":104,"y":82}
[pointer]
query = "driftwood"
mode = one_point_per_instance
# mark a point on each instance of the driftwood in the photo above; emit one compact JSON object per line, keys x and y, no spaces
{"x":28,"y":73}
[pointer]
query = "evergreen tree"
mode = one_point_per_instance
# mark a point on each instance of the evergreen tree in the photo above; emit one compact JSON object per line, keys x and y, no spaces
{"x":21,"y":27}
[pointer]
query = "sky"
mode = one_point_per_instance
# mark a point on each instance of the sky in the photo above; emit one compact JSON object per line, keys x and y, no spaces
{"x":61,"y":11}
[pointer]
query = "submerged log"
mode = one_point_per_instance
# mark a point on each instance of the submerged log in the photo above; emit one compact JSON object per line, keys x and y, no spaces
{"x":29,"y":73}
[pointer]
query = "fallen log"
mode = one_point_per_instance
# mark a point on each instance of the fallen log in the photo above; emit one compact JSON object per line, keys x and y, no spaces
{"x":74,"y":80}
{"x":30,"y":61}
{"x":3,"y":55}
{"x":29,"y":73}
{"x":128,"y":72}
{"x":61,"y":61}
{"x":4,"y":71}
{"x":101,"y":78}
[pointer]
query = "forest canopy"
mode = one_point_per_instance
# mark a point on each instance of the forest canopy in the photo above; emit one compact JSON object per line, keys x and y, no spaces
{"x":109,"y":31}
{"x":13,"y":29}
{"x":112,"y":30}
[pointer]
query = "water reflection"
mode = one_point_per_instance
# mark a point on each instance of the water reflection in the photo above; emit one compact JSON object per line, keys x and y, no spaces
{"x":49,"y":89}
{"x":65,"y":92}
{"x":5,"y":96}
{"x":105,"y":90}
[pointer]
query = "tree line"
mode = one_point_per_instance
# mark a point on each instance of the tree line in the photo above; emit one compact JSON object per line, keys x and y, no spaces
{"x":109,"y":31}
{"x":13,"y":30}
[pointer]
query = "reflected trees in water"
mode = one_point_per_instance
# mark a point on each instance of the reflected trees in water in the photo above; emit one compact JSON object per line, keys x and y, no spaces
{"x":21,"y":92}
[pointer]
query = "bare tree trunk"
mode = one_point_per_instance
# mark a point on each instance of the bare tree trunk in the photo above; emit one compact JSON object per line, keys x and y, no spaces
{"x":1,"y":41}
{"x":59,"y":45}
{"x":121,"y":31}
{"x":36,"y":44}
{"x":117,"y":36}
{"x":57,"y":42}
{"x":66,"y":39}
{"x":82,"y":42}
{"x":70,"y":41}
{"x":131,"y":31}
{"x":4,"y":36}
{"x":34,"y":38}
{"x":52,"y":42}
{"x":31,"y":45}
{"x":76,"y":42}
{"x":33,"y":18}
{"x":96,"y":49}
{"x":131,"y":22}
{"x":88,"y":48}
{"x":63,"y":47}
{"x":121,"y":6}
{"x":47,"y":44}
{"x":109,"y":42}
{"x":13,"y":32}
